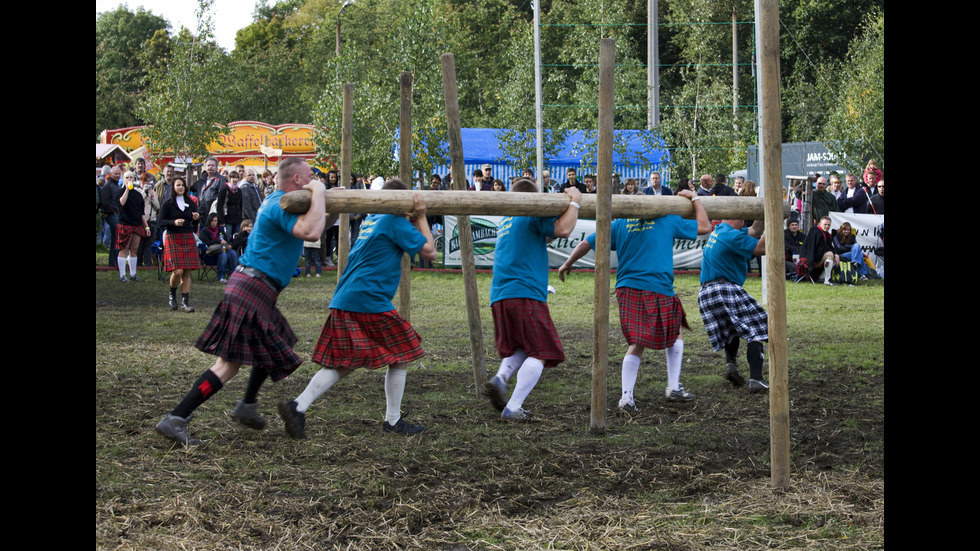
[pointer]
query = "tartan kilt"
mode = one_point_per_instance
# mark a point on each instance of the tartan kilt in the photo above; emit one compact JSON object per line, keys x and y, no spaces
{"x":650,"y":319}
{"x":526,"y":323}
{"x":248,"y":329}
{"x":180,"y":252}
{"x":350,"y":340}
{"x":124,"y":233}
{"x":730,"y":312}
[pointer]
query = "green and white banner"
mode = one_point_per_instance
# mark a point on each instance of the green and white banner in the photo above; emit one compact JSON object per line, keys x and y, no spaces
{"x":687,"y":253}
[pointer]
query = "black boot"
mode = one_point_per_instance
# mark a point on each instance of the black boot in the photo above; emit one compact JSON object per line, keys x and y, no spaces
{"x":173,"y":298}
{"x":183,"y":302}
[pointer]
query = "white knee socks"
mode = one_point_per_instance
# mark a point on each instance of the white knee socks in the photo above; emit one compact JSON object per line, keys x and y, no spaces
{"x":631,"y":365}
{"x":527,"y":377}
{"x":511,"y":364}
{"x":394,"y":390}
{"x":320,"y":383}
{"x":675,"y":357}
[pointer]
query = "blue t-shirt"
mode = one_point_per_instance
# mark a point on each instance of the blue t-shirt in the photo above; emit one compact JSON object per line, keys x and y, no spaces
{"x":520,"y":260}
{"x":727,"y":253}
{"x":645,"y":251}
{"x":375,"y":265}
{"x":272,"y":247}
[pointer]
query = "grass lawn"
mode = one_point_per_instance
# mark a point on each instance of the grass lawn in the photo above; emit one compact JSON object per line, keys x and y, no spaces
{"x":688,"y":476}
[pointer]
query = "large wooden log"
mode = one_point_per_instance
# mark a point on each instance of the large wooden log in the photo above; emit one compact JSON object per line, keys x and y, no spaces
{"x":405,"y":173}
{"x":502,"y":203}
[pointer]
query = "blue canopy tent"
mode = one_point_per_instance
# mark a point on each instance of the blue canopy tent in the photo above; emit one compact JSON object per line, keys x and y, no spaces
{"x":481,"y":146}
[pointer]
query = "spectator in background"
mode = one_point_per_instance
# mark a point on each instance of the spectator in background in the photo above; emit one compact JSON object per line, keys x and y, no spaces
{"x":151,"y":209}
{"x":685,"y":183}
{"x":656,"y":187}
{"x":836,"y":188}
{"x":705,"y":184}
{"x":110,"y":209}
{"x":487,"y":183}
{"x":823,"y":202}
{"x":229,"y":209}
{"x":872,"y":175}
{"x":720,"y":189}
{"x":878,"y":199}
{"x":571,"y":181}
{"x":846,"y":241}
{"x":589,"y":183}
{"x":854,"y":199}
{"x":132,"y":226}
{"x":631,"y":188}
{"x":498,"y":185}
{"x":219,"y":243}
{"x":251,"y":195}
{"x":179,"y":216}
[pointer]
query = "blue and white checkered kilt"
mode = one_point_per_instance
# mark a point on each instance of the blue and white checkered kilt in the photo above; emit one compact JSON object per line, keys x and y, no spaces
{"x":728,"y":311}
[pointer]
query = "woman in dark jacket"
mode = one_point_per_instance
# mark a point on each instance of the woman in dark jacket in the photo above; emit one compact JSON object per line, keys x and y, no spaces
{"x":214,"y":237}
{"x":179,"y":217}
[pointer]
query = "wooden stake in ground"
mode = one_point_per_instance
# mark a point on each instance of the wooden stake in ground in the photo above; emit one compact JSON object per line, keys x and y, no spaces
{"x":455,"y":139}
{"x":346,"y":136}
{"x":405,"y":173}
{"x":771,"y":150}
{"x":603,"y":233}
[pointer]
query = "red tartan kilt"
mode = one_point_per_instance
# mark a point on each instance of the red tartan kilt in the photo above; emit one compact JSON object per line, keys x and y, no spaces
{"x":350,"y":340}
{"x":247,"y":328}
{"x":649,"y":319}
{"x":180,"y":252}
{"x":124,"y":233}
{"x":526,"y":323}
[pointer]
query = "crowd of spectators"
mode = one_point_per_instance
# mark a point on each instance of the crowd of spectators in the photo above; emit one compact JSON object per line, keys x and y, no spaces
{"x":227,"y":200}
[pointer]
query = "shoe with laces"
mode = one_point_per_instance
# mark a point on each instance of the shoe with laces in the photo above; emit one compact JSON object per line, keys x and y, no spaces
{"x":248,"y":415}
{"x":520,"y":415}
{"x":402,"y":427}
{"x":496,"y":390}
{"x":175,"y":428}
{"x":679,"y":395}
{"x":732,"y":374}
{"x":627,"y":405}
{"x":756,"y":385}
{"x":295,"y":420}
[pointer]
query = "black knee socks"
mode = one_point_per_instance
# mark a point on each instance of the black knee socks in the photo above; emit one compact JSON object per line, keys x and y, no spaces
{"x":754,"y":357}
{"x":731,"y":350}
{"x":255,"y":381}
{"x":206,"y":385}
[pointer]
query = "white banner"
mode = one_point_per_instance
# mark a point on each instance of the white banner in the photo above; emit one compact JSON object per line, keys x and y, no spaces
{"x":687,"y":253}
{"x":867,"y":228}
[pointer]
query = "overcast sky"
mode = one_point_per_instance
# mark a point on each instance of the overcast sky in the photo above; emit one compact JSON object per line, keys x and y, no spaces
{"x":228,"y":15}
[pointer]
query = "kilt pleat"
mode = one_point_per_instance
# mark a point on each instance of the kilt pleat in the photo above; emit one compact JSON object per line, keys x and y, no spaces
{"x":249,"y":329}
{"x":728,"y":311}
{"x":649,"y":319}
{"x":180,"y":252}
{"x":352,"y":340}
{"x":526,"y":323}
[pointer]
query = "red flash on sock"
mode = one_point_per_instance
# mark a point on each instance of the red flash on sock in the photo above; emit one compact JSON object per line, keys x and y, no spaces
{"x":205,"y":389}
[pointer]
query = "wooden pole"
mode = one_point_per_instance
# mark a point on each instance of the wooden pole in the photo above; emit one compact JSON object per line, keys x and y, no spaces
{"x":771,"y":150}
{"x":346,"y":136}
{"x":600,"y":310}
{"x":455,"y":140}
{"x":405,"y":173}
{"x":500,"y":203}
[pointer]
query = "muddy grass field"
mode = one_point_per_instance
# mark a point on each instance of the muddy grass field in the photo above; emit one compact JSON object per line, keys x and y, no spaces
{"x":686,"y":476}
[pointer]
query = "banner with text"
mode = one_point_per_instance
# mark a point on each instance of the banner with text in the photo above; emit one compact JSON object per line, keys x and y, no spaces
{"x":687,"y":253}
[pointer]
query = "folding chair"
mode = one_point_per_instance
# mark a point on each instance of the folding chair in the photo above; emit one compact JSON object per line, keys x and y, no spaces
{"x":209,"y":265}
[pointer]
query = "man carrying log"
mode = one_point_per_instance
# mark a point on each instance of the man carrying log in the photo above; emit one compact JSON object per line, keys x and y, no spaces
{"x":524,"y":334}
{"x":730,"y":313}
{"x":247,"y":327}
{"x":363,"y":330}
{"x":650,"y":313}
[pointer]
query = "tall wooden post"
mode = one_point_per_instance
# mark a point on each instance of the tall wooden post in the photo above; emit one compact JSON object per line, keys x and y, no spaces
{"x":600,"y":314}
{"x":767,"y":22}
{"x":346,"y":135}
{"x":405,"y":173}
{"x":455,"y":139}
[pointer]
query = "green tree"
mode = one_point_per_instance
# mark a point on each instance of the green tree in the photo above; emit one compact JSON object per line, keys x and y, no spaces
{"x":120,"y":37}
{"x":188,"y":105}
{"x":855,"y":129}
